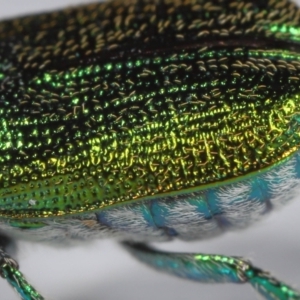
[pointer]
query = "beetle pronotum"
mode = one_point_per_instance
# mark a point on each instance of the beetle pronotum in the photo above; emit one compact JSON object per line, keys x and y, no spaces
{"x":200,"y":247}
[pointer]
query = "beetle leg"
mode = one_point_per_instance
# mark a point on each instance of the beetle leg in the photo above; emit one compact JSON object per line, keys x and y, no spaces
{"x":214,"y":269}
{"x":9,"y":270}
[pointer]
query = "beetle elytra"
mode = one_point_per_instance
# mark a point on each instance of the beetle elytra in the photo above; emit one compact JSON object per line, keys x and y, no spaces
{"x":39,"y":103}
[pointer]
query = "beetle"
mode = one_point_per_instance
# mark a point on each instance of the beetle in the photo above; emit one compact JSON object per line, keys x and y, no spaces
{"x":31,"y":202}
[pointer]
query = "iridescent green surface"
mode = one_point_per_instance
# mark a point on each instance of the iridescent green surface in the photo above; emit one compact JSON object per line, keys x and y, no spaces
{"x":127,"y":100}
{"x":211,"y":268}
{"x":16,"y":279}
{"x":9,"y":270}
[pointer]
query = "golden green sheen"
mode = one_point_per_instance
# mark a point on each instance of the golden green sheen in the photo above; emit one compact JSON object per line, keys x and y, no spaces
{"x":127,"y":100}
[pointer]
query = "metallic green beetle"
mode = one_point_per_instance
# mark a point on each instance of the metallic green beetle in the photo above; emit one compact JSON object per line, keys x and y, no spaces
{"x":149,"y":121}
